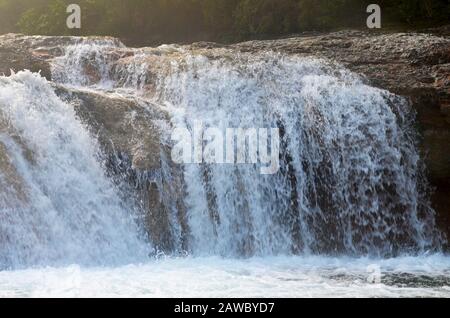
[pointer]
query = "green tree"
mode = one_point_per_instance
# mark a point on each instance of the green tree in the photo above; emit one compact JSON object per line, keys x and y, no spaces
{"x":266,"y":17}
{"x":156,"y":21}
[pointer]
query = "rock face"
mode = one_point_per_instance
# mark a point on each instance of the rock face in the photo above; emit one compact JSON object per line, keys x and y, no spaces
{"x":123,"y":126}
{"x":414,"y":65}
{"x":15,"y":59}
{"x":129,"y":131}
{"x":19,"y":52}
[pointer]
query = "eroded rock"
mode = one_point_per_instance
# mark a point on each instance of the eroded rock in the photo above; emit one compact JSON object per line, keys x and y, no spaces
{"x":129,"y":131}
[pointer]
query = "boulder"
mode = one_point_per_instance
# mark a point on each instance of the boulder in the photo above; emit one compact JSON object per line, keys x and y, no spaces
{"x":130,"y":133}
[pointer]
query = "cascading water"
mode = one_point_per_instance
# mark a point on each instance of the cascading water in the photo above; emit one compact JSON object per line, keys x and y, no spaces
{"x":350,"y":172}
{"x":56,"y":205}
{"x":85,"y":62}
{"x":350,"y":182}
{"x":350,"y":179}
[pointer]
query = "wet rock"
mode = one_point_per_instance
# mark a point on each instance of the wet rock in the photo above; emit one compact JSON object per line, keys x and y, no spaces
{"x":19,"y":52}
{"x":128,"y":126}
{"x":16,"y":58}
{"x":130,"y":133}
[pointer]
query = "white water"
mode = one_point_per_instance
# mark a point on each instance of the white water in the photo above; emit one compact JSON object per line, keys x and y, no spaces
{"x":350,"y":174}
{"x":257,"y":277}
{"x":63,"y":209}
{"x":348,"y":181}
{"x":349,"y":184}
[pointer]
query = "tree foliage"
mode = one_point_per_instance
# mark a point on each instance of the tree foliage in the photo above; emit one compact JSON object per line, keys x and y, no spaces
{"x":150,"y":21}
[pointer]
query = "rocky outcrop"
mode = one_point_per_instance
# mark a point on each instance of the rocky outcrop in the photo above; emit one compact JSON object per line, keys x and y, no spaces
{"x":129,"y":132}
{"x":10,"y":179}
{"x":125,"y":126}
{"x":19,"y":52}
{"x":12,"y":59}
{"x":16,"y":55}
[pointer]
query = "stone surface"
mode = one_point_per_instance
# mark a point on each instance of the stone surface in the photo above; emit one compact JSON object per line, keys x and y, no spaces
{"x":19,"y":52}
{"x":16,"y":57}
{"x":127,"y":126}
{"x":129,"y":131}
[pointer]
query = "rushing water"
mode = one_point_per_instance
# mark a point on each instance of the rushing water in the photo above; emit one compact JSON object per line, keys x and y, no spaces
{"x":257,"y":277}
{"x":57,"y":206}
{"x":349,"y":172}
{"x":350,"y":183}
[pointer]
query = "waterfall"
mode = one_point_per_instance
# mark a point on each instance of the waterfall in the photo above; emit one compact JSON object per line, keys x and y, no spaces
{"x":57,"y":206}
{"x":350,"y":178}
{"x":84,"y":62}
